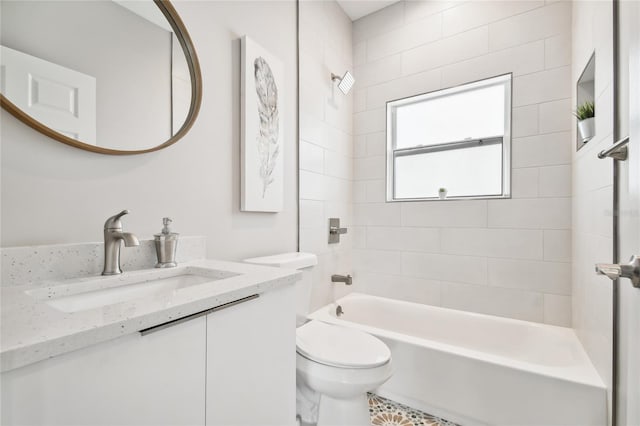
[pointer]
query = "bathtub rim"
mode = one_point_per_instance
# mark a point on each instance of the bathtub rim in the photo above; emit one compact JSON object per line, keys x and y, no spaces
{"x":584,"y":373}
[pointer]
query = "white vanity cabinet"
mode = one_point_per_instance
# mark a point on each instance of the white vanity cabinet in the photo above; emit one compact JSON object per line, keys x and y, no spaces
{"x":156,"y":379}
{"x":233,"y":366}
{"x":251,"y":358}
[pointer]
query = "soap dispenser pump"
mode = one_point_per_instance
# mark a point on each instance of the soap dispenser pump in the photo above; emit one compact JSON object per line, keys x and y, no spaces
{"x":166,"y":244}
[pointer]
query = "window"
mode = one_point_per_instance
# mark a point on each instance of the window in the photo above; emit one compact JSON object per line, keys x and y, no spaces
{"x":458,"y":139}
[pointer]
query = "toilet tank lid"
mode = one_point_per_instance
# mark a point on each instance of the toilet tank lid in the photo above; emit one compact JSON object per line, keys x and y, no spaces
{"x":293,"y":260}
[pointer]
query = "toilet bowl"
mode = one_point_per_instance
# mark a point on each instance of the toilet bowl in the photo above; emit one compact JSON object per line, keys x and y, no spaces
{"x":335,"y":366}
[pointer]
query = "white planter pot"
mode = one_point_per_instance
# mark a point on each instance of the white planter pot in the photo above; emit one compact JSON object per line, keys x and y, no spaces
{"x":442,"y":195}
{"x":587,"y":129}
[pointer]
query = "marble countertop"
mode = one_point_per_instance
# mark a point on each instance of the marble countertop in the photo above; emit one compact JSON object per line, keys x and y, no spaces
{"x":32,"y":330}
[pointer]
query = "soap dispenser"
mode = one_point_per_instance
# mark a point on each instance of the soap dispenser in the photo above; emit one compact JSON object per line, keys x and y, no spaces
{"x":166,"y":244}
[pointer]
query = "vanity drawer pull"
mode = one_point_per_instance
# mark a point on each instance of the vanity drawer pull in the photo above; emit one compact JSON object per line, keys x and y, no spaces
{"x":196,"y":315}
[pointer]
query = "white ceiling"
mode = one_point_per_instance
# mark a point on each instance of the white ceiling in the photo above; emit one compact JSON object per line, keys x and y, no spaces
{"x":356,"y":9}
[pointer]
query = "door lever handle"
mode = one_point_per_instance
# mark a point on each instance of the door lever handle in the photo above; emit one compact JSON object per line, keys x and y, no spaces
{"x":614,"y":271}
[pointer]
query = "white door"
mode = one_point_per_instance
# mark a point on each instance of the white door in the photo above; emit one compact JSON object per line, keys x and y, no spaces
{"x":629,"y":300}
{"x":61,"y":98}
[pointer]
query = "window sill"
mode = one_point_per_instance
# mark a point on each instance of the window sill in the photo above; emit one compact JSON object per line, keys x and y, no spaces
{"x":480,"y":197}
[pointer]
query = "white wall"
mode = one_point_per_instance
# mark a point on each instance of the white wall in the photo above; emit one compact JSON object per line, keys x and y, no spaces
{"x":326,"y":142}
{"x":53,"y":193}
{"x":502,"y":257}
{"x":593,"y":189}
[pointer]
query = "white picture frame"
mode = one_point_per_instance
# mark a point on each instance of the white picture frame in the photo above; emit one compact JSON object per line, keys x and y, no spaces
{"x":262,"y":142}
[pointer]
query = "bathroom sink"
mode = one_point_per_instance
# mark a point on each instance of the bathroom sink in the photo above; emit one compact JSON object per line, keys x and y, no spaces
{"x":103,"y":291}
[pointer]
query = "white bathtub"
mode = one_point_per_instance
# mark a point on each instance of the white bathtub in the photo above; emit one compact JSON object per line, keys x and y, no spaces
{"x":479,"y":369}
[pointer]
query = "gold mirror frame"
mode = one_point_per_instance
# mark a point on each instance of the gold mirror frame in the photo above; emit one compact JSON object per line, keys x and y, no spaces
{"x":182,"y":35}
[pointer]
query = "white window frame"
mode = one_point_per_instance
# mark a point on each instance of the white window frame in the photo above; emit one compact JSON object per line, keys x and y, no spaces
{"x":392,"y":152}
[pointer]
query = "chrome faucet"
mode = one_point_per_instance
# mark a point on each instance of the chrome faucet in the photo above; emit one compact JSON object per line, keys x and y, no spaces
{"x":112,"y":236}
{"x":347,"y":279}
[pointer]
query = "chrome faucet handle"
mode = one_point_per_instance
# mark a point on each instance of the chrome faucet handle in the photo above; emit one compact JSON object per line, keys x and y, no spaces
{"x":114,"y":221}
{"x":614,"y":271}
{"x":334,"y":230}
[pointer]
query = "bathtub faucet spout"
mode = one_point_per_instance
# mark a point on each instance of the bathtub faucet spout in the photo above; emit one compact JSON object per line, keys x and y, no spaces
{"x":347,"y":279}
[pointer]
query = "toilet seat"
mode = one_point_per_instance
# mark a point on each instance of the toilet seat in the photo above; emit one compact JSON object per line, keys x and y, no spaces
{"x":340,"y":346}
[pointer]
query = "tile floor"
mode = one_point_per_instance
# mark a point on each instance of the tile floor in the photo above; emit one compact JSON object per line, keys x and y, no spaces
{"x":385,"y":412}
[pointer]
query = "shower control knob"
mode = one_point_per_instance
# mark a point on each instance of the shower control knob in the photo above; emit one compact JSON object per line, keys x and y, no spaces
{"x":614,"y":271}
{"x":335,"y":230}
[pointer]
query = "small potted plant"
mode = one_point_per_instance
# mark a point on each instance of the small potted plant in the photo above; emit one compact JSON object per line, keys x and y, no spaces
{"x":586,"y":120}
{"x":442,"y":193}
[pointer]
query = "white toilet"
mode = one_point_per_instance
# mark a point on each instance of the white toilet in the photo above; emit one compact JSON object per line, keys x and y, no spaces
{"x":335,"y":366}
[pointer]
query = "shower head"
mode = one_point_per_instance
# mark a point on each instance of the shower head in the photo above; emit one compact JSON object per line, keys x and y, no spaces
{"x":345,"y":83}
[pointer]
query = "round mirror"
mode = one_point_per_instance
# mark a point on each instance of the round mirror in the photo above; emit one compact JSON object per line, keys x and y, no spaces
{"x":108,"y":76}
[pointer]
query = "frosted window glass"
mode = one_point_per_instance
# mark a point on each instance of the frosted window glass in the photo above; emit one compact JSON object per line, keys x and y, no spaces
{"x":473,"y":114}
{"x":475,"y":171}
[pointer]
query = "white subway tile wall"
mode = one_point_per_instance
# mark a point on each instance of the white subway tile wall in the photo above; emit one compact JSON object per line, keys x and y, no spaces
{"x":524,"y":121}
{"x":541,"y":150}
{"x":326,"y":142}
{"x":592,"y":190}
{"x":553,"y":117}
{"x":519,"y":60}
{"x":524,"y":182}
{"x":502,"y":257}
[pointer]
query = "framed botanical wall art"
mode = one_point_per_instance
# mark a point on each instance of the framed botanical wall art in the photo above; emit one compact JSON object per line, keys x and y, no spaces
{"x":261,"y":85}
